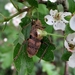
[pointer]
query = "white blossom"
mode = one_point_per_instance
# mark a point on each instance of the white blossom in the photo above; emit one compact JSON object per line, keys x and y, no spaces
{"x":71,"y":61}
{"x":51,"y":0}
{"x":57,"y":19}
{"x":72,"y":23}
{"x":70,"y":46}
{"x":16,"y":20}
{"x":9,"y":6}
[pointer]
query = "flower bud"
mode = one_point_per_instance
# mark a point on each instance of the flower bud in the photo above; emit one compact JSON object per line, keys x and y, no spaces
{"x":41,"y":33}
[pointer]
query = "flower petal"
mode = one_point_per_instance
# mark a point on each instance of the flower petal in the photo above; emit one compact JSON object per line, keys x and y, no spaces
{"x":65,"y":21}
{"x":67,"y":46}
{"x":53,"y":1}
{"x":53,"y":12}
{"x":50,"y":19}
{"x":66,"y":14}
{"x":71,"y":61}
{"x":70,"y":38}
{"x":9,"y":6}
{"x":59,"y":25}
{"x":45,"y":0}
{"x":16,"y":21}
{"x":72,"y":23}
{"x":22,"y":15}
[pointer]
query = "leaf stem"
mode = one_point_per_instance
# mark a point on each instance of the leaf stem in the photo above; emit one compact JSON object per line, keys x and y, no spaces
{"x":44,"y":33}
{"x":56,"y":35}
{"x":2,"y":15}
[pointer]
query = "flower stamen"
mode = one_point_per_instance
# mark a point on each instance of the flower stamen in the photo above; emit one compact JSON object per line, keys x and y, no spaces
{"x":57,"y":16}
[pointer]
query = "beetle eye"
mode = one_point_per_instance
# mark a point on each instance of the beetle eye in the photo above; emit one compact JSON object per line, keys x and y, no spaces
{"x":36,"y":25}
{"x":36,"y":34}
{"x":33,"y":22}
{"x":30,"y":36}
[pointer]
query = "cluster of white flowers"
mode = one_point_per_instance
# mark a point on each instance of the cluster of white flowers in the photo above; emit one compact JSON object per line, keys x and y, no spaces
{"x":16,"y":20}
{"x":70,"y":46}
{"x":57,"y":19}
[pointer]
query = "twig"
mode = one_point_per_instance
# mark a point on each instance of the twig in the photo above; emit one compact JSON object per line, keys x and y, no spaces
{"x":8,"y":18}
{"x":2,"y":15}
{"x":14,"y":5}
{"x":66,"y":72}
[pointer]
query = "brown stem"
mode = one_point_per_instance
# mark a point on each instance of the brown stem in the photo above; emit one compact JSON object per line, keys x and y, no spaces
{"x":66,"y":68}
{"x":66,"y":72}
{"x":21,"y":11}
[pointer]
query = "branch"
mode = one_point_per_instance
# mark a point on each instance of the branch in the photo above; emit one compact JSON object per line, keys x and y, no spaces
{"x":8,"y":18}
{"x":14,"y":5}
{"x":66,"y":69}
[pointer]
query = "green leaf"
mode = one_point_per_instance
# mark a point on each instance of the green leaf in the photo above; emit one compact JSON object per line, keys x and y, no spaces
{"x":2,"y":10}
{"x":17,"y":61}
{"x":23,"y":63}
{"x":60,"y":8}
{"x":68,"y":29}
{"x":7,"y":59}
{"x":49,"y":68}
{"x":48,"y":28}
{"x":42,"y":9}
{"x":24,"y":21}
{"x":66,"y":56}
{"x":20,"y":39}
{"x":71,"y":5}
{"x":33,"y":3}
{"x":51,"y":5}
{"x":46,"y":45}
{"x":26,"y":26}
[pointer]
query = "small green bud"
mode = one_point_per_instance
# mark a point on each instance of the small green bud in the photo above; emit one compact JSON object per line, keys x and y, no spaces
{"x":41,"y":33}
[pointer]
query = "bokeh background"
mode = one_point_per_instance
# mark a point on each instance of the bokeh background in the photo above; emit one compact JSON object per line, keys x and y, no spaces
{"x":9,"y":33}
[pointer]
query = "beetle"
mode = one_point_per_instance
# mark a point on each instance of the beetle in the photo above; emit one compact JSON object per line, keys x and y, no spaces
{"x":34,"y":41}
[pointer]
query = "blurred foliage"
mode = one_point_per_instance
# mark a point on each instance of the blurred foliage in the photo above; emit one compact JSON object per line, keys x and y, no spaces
{"x":49,"y":68}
